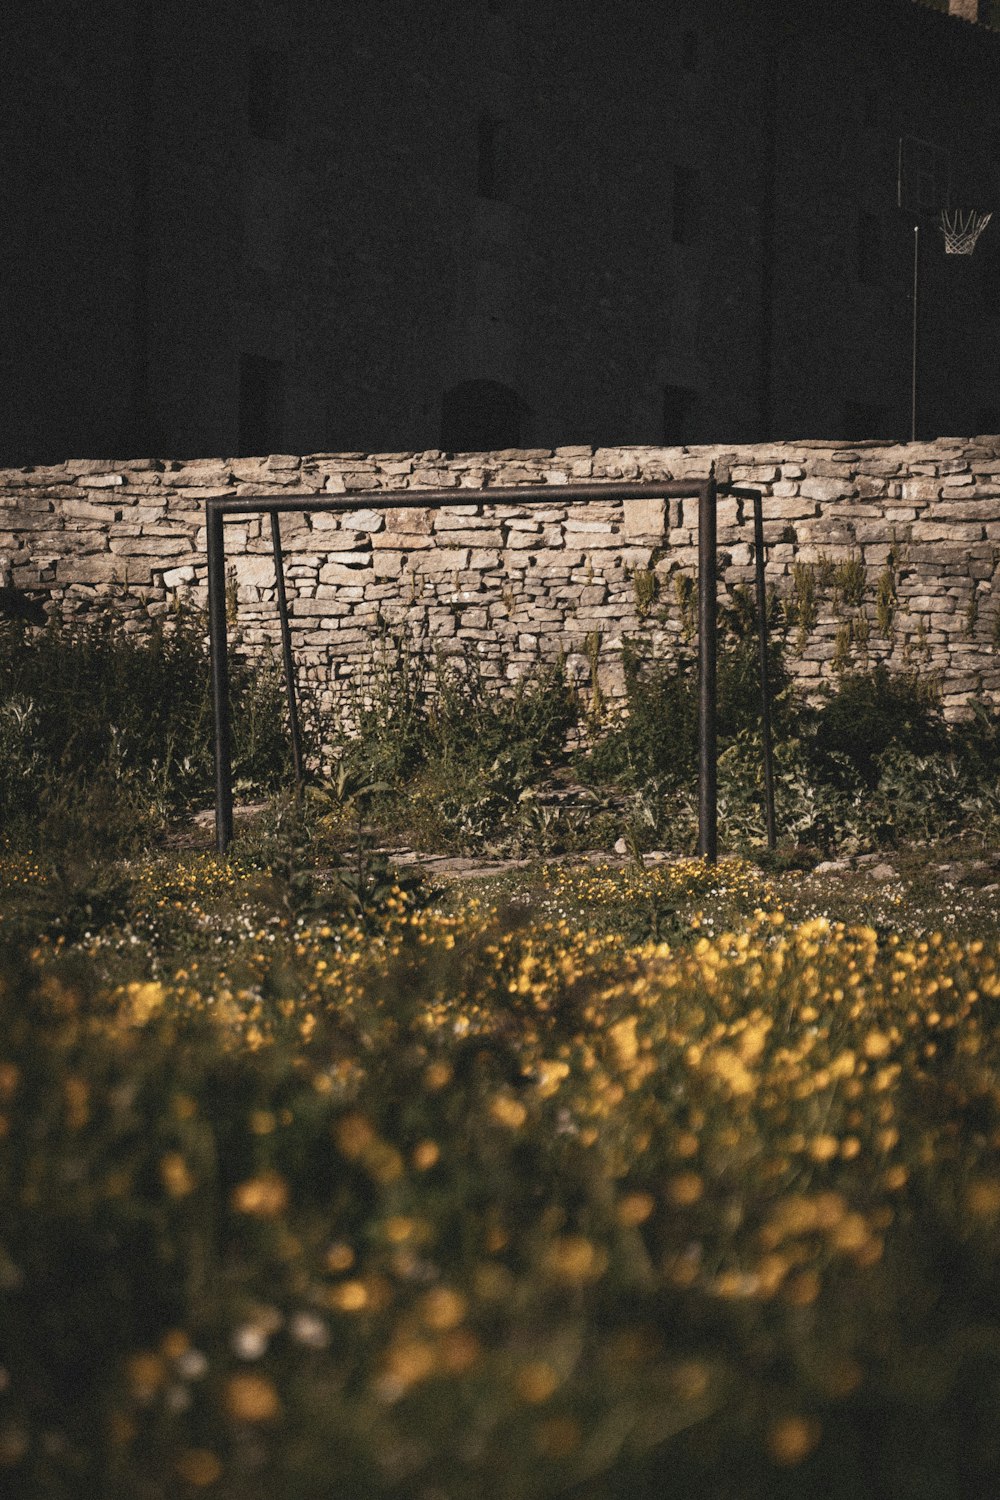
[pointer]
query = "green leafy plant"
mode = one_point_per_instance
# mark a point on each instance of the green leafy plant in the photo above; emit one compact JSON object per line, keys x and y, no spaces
{"x":805,"y":608}
{"x":867,"y":714}
{"x":107,"y":730}
{"x":886,"y":602}
{"x":849,"y":578}
{"x":684,"y":593}
{"x":645,"y":590}
{"x":444,"y":749}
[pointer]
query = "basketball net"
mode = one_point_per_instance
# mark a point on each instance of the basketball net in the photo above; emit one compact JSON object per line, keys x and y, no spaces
{"x":961,"y":228}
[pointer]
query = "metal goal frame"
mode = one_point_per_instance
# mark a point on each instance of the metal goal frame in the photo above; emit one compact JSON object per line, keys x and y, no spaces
{"x":705,"y":491}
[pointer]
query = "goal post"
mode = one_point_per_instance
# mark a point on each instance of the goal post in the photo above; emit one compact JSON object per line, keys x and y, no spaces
{"x":705,"y":491}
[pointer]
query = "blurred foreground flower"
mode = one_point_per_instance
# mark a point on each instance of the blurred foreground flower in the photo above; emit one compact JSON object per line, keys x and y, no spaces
{"x":263,"y":1197}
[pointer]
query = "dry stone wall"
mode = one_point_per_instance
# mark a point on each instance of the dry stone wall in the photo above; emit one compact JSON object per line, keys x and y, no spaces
{"x":880,"y":552}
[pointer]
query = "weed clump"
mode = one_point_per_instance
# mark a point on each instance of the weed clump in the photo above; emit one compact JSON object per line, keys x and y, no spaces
{"x":869,"y":713}
{"x":445,"y":749}
{"x":105,"y":734}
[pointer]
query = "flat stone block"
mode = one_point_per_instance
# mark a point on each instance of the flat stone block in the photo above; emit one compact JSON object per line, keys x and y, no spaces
{"x":175,"y":578}
{"x":101,"y":481}
{"x":790,"y":508}
{"x":644,"y":517}
{"x":447,"y":560}
{"x":826,"y":489}
{"x":409,"y":522}
{"x":102,"y":567}
{"x":387,"y":564}
{"x":389,"y":541}
{"x":367,"y":521}
{"x":947,"y":531}
{"x":150,"y":546}
{"x":332,"y":572}
{"x":921,"y":489}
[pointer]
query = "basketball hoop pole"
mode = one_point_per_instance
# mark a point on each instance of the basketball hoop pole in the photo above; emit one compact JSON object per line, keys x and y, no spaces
{"x":915,"y":345}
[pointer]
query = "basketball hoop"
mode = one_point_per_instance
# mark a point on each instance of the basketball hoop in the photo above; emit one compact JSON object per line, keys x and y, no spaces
{"x":961,"y":228}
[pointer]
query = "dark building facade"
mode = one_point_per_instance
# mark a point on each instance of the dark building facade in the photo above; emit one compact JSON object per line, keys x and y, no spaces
{"x":295,"y":225}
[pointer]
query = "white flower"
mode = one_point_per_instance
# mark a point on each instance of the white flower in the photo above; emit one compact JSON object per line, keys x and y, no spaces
{"x":308,"y":1328}
{"x":249,"y":1341}
{"x":192,"y":1365}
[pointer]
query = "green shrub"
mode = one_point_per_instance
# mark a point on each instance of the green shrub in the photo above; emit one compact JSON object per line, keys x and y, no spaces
{"x":445,"y":750}
{"x":656,"y":737}
{"x":106,"y":733}
{"x":868,"y":713}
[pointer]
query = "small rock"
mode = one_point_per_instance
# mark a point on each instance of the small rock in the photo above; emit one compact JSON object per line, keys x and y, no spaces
{"x":882,"y":872}
{"x":832,"y":867}
{"x":621,"y":847}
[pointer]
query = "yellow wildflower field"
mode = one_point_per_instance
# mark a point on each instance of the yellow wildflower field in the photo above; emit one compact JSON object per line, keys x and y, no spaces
{"x":498,"y":1200}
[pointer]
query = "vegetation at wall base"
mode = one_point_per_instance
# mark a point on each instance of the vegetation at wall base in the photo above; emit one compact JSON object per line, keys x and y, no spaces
{"x":106,"y":742}
{"x":106,"y":733}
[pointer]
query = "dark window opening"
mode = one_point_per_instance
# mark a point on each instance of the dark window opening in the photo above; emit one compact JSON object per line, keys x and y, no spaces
{"x":492,"y":174}
{"x":869,"y":249}
{"x":865,"y":419}
{"x":261,"y":408}
{"x":267,"y":94}
{"x":689,"y":51}
{"x":686,"y":205}
{"x":482,"y":416}
{"x":678,"y":409}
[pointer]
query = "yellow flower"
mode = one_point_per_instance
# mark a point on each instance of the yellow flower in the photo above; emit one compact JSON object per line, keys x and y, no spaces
{"x":550,"y":1076}
{"x":144,"y":1001}
{"x":876,"y":1044}
{"x":983,"y":1197}
{"x":251,"y":1397}
{"x":442,"y":1308}
{"x":573,"y":1258}
{"x":339,"y":1257}
{"x":507,"y":1111}
{"x":263,"y":1197}
{"x":426,"y":1154}
{"x":536,"y":1381}
{"x":354,"y":1136}
{"x":409,"y":1362}
{"x":349,"y":1296}
{"x":635,"y":1208}
{"x":684,"y":1189}
{"x":175,"y":1175}
{"x":792,"y":1439}
{"x":145,"y":1373}
{"x":198,"y":1467}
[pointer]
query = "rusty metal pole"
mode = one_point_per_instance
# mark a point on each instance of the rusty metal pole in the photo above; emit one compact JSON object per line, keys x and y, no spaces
{"x":707,"y":739}
{"x":286,"y":649}
{"x":215,"y":547}
{"x":765,"y":684}
{"x":915,"y":336}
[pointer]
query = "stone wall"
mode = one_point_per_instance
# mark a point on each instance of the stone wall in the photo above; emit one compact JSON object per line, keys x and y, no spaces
{"x":881,"y":552}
